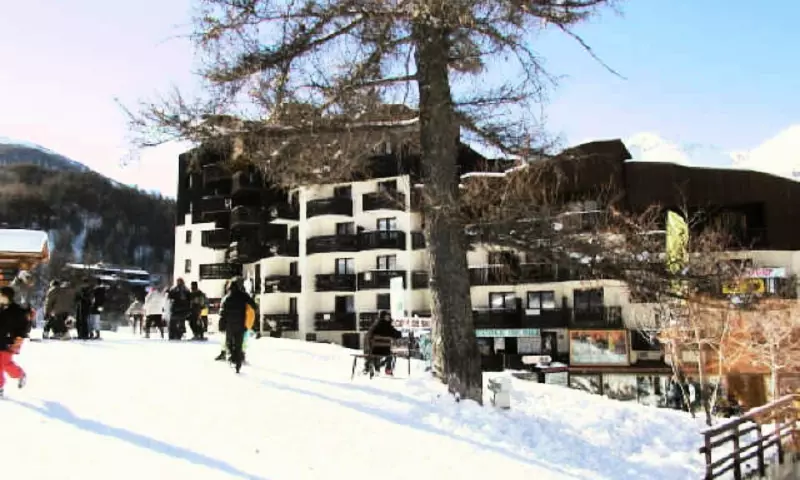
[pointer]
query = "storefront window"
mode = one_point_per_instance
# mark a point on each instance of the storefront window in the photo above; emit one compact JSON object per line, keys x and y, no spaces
{"x":598,"y":347}
{"x":651,"y":390}
{"x":620,"y":387}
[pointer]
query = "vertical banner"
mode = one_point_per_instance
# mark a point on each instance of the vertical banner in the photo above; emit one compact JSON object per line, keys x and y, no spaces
{"x":397,"y":297}
{"x":677,"y":246}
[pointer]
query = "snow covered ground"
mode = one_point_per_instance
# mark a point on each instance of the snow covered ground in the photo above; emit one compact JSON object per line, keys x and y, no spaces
{"x":131,"y":408}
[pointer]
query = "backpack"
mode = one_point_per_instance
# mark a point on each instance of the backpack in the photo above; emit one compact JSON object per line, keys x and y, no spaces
{"x":249,"y":316}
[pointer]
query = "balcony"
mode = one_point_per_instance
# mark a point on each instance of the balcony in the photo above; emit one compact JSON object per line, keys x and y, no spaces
{"x":366,"y":319}
{"x":332,"y":243}
{"x":281,"y":248}
{"x":382,"y":239}
{"x":283,"y":212}
{"x":219,"y":271}
{"x":419,"y":280}
{"x":493,"y":275}
{"x":245,"y":251}
{"x":334,"y":282}
{"x":245,"y":217}
{"x":376,"y":279}
{"x":417,"y":240}
{"x":216,"y":239}
{"x":214,"y":173}
{"x":330,"y":206}
{"x":386,"y":200}
{"x":214,"y":203}
{"x":285,"y":322}
{"x":545,"y":318}
{"x":245,"y":184}
{"x":600,"y":317}
{"x":495,"y":318}
{"x":335,"y":321}
{"x":282,"y":284}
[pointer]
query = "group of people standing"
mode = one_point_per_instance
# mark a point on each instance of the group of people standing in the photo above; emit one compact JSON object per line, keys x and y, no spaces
{"x":86,"y":303}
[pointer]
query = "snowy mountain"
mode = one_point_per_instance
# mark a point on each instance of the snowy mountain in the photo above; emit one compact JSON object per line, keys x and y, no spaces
{"x":16,"y":152}
{"x":131,"y":408}
{"x":779,"y":155}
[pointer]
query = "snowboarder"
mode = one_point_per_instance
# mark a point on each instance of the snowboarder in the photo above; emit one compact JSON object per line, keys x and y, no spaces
{"x":136,"y":313}
{"x":238,"y":314}
{"x":13,"y":329}
{"x":198,"y":302}
{"x":154,"y":304}
{"x":180,"y":308}
{"x":378,"y":343}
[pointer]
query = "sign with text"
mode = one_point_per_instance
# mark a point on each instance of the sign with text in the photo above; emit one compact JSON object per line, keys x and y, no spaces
{"x":507,"y":332}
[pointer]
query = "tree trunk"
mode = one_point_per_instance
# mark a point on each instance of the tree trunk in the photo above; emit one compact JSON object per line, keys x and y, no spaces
{"x":456,"y":358}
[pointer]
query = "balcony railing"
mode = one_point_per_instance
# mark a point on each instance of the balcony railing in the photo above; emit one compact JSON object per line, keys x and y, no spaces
{"x":245,"y":251}
{"x":330,"y":206}
{"x":286,"y":322}
{"x":494,"y":275}
{"x":281,"y":248}
{"x":283,"y":211}
{"x":328,"y":321}
{"x":386,"y":200}
{"x":375,"y":279}
{"x":417,"y":240}
{"x":217,"y":239}
{"x":332,"y":243}
{"x":545,"y":318}
{"x":366,"y":319}
{"x":219,"y":271}
{"x":215,"y":173}
{"x":419,"y":280}
{"x":599,"y":317}
{"x":214,"y":203}
{"x":495,"y":318}
{"x":282,"y":284}
{"x":382,"y":239}
{"x":243,"y":216}
{"x":335,"y":282}
{"x":245,"y":183}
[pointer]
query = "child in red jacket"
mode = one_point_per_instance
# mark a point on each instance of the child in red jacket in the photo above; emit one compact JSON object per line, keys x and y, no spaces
{"x":13,"y":328}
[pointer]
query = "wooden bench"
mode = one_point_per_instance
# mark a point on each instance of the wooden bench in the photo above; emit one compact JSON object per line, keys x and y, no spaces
{"x":364,"y":356}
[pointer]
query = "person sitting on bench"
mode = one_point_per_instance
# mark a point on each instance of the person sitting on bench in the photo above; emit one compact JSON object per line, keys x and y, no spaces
{"x":378,"y":344}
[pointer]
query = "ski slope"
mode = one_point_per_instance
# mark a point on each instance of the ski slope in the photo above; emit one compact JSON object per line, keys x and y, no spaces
{"x":129,"y":408}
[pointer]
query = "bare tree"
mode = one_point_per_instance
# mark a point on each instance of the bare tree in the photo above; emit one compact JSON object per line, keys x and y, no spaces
{"x":767,"y":334}
{"x":307,"y":83}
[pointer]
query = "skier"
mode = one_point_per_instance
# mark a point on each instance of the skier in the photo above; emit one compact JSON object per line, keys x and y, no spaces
{"x":238,"y":314}
{"x":136,"y":313}
{"x":180,"y":308}
{"x":13,"y":329}
{"x":378,"y":343}
{"x":154,"y":304}
{"x":198,"y":302}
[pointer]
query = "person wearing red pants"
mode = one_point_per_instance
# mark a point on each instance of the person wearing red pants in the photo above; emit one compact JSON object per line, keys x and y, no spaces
{"x":13,"y":329}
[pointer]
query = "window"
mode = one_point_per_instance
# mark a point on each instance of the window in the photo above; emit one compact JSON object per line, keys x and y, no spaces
{"x":293,"y":306}
{"x":383,"y":301}
{"x":503,"y":258}
{"x":258,"y":280}
{"x":388,"y":186}
{"x":503,"y":300}
{"x":387,"y":224}
{"x":387,"y":262}
{"x":188,"y":236}
{"x":539,"y":301}
{"x":293,"y":269}
{"x":345,"y":304}
{"x":589,"y":300}
{"x":187,"y":266}
{"x":345,"y":228}
{"x":294,"y":233}
{"x":345,"y":266}
{"x":343,"y":192}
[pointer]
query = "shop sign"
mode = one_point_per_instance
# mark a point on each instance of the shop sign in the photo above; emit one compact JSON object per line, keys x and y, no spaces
{"x":507,"y":332}
{"x":766,"y":272}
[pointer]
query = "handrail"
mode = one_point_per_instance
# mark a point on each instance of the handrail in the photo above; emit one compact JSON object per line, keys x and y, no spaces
{"x":749,"y":440}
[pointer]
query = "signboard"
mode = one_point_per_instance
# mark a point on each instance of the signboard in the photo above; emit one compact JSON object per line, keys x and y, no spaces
{"x":412,"y":322}
{"x":507,"y":332}
{"x":397,"y":297}
{"x":749,"y":285}
{"x":766,"y":272}
{"x":598,"y":347}
{"x":536,"y":359}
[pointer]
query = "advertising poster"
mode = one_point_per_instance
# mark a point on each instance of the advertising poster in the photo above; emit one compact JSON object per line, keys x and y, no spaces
{"x":598,"y":347}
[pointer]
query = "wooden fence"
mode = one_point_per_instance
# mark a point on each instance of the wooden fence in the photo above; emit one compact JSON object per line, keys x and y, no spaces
{"x":748,"y":445}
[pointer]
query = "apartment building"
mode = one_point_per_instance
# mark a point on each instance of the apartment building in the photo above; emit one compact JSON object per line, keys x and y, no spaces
{"x":320,"y":258}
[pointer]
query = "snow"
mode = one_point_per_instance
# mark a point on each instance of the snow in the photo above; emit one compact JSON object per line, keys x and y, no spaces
{"x":22,"y":241}
{"x":126,"y":407}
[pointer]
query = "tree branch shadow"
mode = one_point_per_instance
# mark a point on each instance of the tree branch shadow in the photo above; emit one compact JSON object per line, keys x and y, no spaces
{"x":59,"y":412}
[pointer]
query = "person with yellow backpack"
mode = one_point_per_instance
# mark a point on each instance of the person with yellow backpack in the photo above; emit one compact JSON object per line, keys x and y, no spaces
{"x":237,"y":315}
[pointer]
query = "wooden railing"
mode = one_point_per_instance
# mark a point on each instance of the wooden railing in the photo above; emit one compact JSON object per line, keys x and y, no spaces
{"x":749,"y":444}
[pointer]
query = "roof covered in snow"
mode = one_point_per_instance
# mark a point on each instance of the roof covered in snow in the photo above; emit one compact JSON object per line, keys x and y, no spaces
{"x":23,"y":241}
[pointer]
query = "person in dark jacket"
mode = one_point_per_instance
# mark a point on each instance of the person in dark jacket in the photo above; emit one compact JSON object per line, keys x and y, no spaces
{"x":180,"y":309}
{"x":98,"y":305}
{"x":13,"y":329}
{"x":378,"y":343}
{"x":234,"y":313}
{"x":198,"y":302}
{"x":58,"y":306}
{"x":83,"y":308}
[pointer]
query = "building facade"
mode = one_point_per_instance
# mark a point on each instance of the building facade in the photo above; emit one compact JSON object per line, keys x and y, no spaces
{"x":320,"y":258}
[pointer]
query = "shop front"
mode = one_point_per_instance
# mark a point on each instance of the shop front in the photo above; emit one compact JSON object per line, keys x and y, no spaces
{"x":505,"y":348}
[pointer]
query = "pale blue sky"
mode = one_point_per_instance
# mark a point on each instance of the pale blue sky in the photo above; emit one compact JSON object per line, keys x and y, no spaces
{"x":721,"y":73}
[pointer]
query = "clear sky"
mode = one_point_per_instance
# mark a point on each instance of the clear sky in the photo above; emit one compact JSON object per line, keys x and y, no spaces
{"x":721,"y":73}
